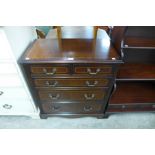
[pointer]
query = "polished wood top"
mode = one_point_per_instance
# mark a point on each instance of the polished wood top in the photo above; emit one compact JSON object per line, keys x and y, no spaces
{"x":72,"y":32}
{"x":97,"y":50}
{"x":81,"y":32}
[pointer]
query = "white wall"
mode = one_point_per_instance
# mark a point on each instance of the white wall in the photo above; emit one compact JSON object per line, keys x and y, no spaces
{"x":20,"y":37}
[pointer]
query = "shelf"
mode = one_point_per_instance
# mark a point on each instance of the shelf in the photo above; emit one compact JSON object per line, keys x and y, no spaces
{"x":140,"y":37}
{"x":139,"y":55}
{"x":139,"y":45}
{"x":137,"y":42}
{"x":141,"y":31}
{"x":133,"y":97}
{"x":134,"y":92}
{"x":134,"y":71}
{"x":135,"y":81}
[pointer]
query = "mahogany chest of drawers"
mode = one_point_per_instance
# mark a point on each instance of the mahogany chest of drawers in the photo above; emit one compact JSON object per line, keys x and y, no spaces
{"x":71,"y":77}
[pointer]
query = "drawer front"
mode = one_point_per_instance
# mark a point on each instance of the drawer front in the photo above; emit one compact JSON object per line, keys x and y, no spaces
{"x":55,"y":82}
{"x":131,"y":108}
{"x":13,"y":92}
{"x":72,"y":95}
{"x":8,"y":68}
{"x":10,"y":80}
{"x":93,"y":70}
{"x":49,"y":70}
{"x":16,"y":106}
{"x":73,"y":108}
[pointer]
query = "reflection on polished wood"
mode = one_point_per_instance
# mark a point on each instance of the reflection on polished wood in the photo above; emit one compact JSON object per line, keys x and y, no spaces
{"x":87,"y":32}
{"x":84,"y":50}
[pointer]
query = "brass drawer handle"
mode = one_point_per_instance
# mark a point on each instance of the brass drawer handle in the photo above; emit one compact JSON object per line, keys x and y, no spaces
{"x":55,"y":108}
{"x":51,"y":84}
{"x":54,"y":97}
{"x":93,"y":73}
{"x":123,"y":106}
{"x":1,"y":93}
{"x":7,"y":106}
{"x":87,"y":108}
{"x":91,"y":85}
{"x":50,"y":73}
{"x":89,"y":97}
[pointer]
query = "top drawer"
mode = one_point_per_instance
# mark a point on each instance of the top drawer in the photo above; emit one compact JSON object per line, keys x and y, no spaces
{"x":5,"y":49}
{"x":8,"y":68}
{"x":49,"y":70}
{"x":93,"y":69}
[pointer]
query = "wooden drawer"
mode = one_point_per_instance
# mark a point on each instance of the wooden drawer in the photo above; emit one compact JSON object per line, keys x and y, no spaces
{"x":131,"y":107}
{"x":15,"y":106}
{"x":93,"y":69}
{"x":10,"y":80}
{"x":5,"y":49}
{"x":72,"y":95}
{"x":72,"y":108}
{"x":64,"y":82}
{"x":14,"y":100}
{"x":49,"y":70}
{"x":8,"y":68}
{"x":12,"y":93}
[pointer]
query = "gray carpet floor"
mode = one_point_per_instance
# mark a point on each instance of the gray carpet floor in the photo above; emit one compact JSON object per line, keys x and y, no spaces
{"x":115,"y":121}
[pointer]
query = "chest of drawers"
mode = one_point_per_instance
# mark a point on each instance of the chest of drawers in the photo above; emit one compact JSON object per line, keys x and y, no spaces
{"x":71,"y":89}
{"x":71,"y":77}
{"x":14,"y":96}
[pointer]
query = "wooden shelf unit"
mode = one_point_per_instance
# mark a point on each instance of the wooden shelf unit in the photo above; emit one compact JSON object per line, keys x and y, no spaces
{"x":133,"y":96}
{"x":135,"y":79}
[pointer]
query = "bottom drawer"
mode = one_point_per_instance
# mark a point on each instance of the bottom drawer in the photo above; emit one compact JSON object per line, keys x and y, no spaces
{"x":72,"y":108}
{"x":131,"y":108}
{"x":15,"y":106}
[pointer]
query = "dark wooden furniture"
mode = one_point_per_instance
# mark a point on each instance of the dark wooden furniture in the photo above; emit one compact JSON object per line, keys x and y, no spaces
{"x":93,"y":76}
{"x":135,"y":82}
{"x":71,"y":77}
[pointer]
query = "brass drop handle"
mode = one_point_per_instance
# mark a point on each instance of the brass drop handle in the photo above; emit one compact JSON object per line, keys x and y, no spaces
{"x":50,"y":73}
{"x":1,"y":92}
{"x":54,"y":97}
{"x":91,"y":85}
{"x":123,"y":106}
{"x":93,"y":73}
{"x":89,"y":97}
{"x":55,"y":108}
{"x":87,"y":108}
{"x":51,"y":84}
{"x":7,"y":106}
